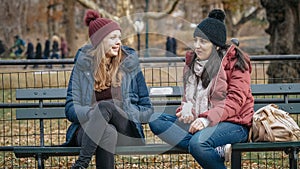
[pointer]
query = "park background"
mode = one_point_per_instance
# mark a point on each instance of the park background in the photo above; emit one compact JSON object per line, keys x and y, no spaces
{"x":263,"y":27}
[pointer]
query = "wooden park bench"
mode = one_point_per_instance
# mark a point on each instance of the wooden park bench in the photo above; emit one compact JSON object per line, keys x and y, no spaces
{"x":284,"y":97}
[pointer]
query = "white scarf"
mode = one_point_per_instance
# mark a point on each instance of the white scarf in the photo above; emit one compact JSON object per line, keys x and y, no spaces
{"x":195,"y":92}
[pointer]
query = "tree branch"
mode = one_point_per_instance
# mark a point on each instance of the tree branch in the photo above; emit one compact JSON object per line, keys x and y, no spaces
{"x":245,"y":19}
{"x":92,"y":5}
{"x":170,"y":8}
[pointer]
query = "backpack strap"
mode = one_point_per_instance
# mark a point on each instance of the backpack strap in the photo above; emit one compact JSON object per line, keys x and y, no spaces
{"x":267,"y":129}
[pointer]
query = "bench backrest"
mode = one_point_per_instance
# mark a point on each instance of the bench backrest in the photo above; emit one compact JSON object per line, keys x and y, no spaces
{"x":164,"y":99}
{"x":41,"y":95}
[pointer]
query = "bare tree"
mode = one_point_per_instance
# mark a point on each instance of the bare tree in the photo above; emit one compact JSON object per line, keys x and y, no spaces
{"x":232,"y":27}
{"x":16,"y":12}
{"x":92,"y":5}
{"x":284,"y":26}
{"x":239,"y":12}
{"x":69,"y":20}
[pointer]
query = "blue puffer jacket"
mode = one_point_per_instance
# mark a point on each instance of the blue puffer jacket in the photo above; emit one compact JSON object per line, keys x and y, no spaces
{"x":136,"y":101}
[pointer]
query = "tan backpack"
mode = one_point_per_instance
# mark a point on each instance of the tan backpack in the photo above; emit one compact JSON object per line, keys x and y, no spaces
{"x":272,"y":124}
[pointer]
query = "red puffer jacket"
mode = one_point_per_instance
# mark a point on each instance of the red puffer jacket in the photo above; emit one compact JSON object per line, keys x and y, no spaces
{"x":230,"y":94}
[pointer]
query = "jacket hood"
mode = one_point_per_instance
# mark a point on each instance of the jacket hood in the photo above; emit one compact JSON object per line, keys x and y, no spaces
{"x":82,"y":59}
{"x":230,"y":56}
{"x":131,"y":60}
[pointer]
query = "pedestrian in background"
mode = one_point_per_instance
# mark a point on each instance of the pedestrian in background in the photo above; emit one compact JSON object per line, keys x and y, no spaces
{"x":46,"y":54}
{"x":171,"y":47}
{"x":3,"y":49}
{"x":64,"y":50}
{"x":29,"y":52}
{"x":55,"y":49}
{"x":20,"y":45}
{"x":38,"y":51}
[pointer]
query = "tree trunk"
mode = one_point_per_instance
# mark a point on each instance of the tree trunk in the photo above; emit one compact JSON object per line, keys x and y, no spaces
{"x":283,"y":17}
{"x":70,"y":32}
{"x":15,"y":10}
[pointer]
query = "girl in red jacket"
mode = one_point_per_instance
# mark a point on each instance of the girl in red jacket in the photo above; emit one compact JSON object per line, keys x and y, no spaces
{"x":217,"y":105}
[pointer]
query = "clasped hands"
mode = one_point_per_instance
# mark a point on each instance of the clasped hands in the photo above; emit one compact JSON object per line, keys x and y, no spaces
{"x":186,"y":114}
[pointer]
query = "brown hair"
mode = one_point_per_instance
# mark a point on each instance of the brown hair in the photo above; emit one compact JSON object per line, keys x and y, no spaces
{"x":106,"y":70}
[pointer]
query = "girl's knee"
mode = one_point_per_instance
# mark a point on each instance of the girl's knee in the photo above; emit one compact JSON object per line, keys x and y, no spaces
{"x":193,"y":143}
{"x":155,"y":122}
{"x":196,"y":144}
{"x":105,"y":104}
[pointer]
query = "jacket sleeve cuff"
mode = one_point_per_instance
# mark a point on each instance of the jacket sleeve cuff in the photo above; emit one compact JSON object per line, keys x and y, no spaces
{"x":205,"y":121}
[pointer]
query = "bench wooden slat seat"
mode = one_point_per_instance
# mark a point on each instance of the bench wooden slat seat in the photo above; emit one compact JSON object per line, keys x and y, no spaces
{"x":151,"y":149}
{"x":265,"y":146}
{"x":164,"y":99}
{"x":30,"y":151}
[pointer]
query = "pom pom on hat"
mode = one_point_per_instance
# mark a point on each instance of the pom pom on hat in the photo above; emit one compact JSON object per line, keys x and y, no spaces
{"x":217,"y":14}
{"x":213,"y":28}
{"x":99,"y":27}
{"x":91,"y":15}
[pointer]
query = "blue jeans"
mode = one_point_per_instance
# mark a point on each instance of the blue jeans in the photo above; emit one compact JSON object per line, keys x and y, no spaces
{"x":201,"y":144}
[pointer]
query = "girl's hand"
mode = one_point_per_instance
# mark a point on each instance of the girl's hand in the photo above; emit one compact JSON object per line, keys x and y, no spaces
{"x":185,"y":119}
{"x":196,"y":126}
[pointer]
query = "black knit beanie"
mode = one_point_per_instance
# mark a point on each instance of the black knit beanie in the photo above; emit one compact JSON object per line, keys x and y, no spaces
{"x":213,"y":28}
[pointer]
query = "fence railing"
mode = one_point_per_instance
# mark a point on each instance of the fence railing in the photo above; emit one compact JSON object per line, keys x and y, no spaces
{"x":158,"y":71}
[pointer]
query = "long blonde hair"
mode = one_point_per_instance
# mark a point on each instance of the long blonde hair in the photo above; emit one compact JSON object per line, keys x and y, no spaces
{"x":106,"y":74}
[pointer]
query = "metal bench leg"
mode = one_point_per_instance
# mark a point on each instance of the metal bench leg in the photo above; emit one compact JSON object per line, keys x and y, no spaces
{"x":293,"y":157}
{"x":40,"y":162}
{"x":236,"y":160}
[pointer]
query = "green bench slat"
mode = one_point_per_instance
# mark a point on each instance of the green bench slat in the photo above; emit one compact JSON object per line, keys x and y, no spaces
{"x":40,"y":113}
{"x":271,"y":89}
{"x":149,"y":149}
{"x":264,"y":146}
{"x":292,"y":108}
{"x":44,"y":93}
{"x":29,"y":151}
{"x":7,"y":148}
{"x":166,"y":109}
{"x":52,"y":113}
{"x":60,"y":93}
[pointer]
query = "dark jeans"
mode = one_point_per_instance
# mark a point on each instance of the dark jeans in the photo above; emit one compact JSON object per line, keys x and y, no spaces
{"x":107,"y":127}
{"x":201,"y":144}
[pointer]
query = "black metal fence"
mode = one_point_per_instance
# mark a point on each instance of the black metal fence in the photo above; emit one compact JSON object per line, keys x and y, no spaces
{"x":157,"y":71}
